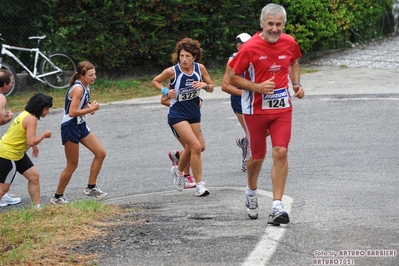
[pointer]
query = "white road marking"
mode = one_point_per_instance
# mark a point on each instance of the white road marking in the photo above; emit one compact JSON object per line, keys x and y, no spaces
{"x":266,"y":247}
{"x":268,"y":243}
{"x":359,"y":99}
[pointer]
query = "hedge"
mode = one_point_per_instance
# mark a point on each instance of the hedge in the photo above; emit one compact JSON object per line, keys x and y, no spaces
{"x":120,"y":35}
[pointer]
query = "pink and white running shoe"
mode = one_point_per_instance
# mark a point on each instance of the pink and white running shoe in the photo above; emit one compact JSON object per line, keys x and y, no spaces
{"x":189,"y":182}
{"x":173,"y":157}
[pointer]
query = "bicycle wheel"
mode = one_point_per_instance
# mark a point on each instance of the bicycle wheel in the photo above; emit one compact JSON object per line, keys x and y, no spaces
{"x":14,"y":74}
{"x":62,"y":60}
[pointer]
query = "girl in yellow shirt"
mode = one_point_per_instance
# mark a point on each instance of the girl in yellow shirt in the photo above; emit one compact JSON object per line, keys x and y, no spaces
{"x":21,"y":135}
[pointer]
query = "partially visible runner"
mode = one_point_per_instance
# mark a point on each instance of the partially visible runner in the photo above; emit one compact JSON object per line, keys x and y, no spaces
{"x":235,"y":100}
{"x":74,"y":130}
{"x":6,"y":82}
{"x":174,"y":155}
{"x":269,"y":59}
{"x":20,"y":136}
{"x":186,"y":78}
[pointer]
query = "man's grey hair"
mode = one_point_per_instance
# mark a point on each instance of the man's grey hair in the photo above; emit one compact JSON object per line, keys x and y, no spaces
{"x":273,"y":9}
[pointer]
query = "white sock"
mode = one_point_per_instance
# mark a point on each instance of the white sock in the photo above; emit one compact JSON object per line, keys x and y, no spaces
{"x":277,"y":203}
{"x":252,"y":192}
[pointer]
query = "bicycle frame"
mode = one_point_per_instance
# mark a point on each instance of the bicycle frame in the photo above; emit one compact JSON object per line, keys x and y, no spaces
{"x":38,"y":54}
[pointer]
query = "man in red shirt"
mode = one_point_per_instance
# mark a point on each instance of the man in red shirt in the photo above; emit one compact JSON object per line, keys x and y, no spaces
{"x":270,"y":60}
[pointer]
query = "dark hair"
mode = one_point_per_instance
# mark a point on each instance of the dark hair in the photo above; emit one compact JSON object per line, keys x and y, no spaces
{"x":37,"y":103}
{"x":5,"y":77}
{"x":82,"y":69}
{"x":189,"y":45}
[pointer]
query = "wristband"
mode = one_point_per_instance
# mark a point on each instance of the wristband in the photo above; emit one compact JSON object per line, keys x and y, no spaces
{"x":295,"y":84}
{"x":207,"y":87}
{"x":165,"y":90}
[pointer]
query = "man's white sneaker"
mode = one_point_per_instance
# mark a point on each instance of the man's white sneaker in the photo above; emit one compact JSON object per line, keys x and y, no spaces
{"x":251,"y":206}
{"x":278,"y":216}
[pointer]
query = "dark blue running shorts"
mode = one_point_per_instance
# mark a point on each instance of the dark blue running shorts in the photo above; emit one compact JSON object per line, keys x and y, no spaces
{"x":74,"y":133}
{"x":236,"y":104}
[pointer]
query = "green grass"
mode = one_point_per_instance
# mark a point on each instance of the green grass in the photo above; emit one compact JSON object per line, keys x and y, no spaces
{"x":32,"y":236}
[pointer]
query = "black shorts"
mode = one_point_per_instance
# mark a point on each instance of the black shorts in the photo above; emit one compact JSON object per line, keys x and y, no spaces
{"x":9,"y":168}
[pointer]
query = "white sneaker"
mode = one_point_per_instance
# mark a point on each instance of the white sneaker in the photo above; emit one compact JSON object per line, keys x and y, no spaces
{"x":8,"y":200}
{"x":60,"y":200}
{"x":201,"y":190}
{"x":251,"y":206}
{"x":3,"y":204}
{"x":177,"y":180}
{"x":278,"y":215}
{"x":96,"y":192}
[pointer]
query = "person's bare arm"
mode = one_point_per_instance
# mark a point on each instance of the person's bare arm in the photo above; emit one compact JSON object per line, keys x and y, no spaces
{"x":296,"y":81}
{"x":226,"y":86}
{"x":5,"y":116}
{"x":74,"y":111}
{"x":265,"y":87}
{"x":167,"y":74}
{"x":29,"y":124}
{"x":206,"y":83}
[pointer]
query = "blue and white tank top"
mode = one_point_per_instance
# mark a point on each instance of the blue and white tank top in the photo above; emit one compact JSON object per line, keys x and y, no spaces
{"x":68,"y":120}
{"x":186,"y":104}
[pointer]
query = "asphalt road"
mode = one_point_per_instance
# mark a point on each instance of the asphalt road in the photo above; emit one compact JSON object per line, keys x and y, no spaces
{"x":341,"y":191}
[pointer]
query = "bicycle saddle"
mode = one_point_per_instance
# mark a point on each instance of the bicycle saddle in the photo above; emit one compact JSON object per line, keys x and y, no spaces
{"x":37,"y":37}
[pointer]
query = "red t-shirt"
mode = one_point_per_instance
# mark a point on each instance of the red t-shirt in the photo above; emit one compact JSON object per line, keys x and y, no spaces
{"x":262,"y":60}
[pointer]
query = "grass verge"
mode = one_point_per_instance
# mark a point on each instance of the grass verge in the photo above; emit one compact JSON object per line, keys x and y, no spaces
{"x":31,"y":237}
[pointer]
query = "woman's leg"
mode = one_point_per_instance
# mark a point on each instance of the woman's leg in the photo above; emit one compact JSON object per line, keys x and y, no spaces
{"x":94,"y":145}
{"x":72,"y":156}
{"x":190,"y":134}
{"x":33,"y":184}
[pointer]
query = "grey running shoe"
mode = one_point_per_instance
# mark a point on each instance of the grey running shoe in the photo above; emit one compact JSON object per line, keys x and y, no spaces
{"x":60,"y":200}
{"x":96,"y":192}
{"x":8,"y":200}
{"x":201,"y":190}
{"x":177,"y":180}
{"x":244,"y":166}
{"x":251,"y":206}
{"x":243,"y":144}
{"x":278,"y":216}
{"x":172,"y":156}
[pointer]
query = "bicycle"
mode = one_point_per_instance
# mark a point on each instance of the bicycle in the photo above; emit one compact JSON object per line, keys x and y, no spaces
{"x":54,"y":70}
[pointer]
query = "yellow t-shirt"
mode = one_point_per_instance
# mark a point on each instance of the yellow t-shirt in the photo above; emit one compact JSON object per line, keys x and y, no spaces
{"x":13,"y":144}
